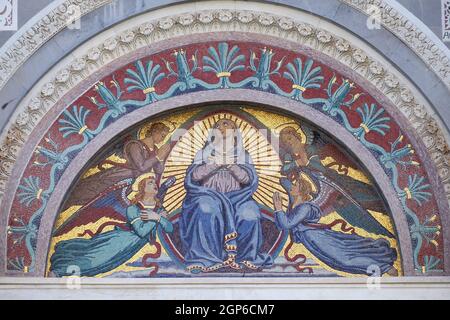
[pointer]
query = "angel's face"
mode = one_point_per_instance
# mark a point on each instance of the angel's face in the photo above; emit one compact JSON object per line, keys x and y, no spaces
{"x":290,"y":141}
{"x":150,"y":187}
{"x":159,"y":135}
{"x":295,"y":189}
{"x":301,"y":188}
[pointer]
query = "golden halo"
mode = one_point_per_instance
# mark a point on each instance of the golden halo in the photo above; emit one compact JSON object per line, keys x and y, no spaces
{"x":309,"y":180}
{"x":294,"y":125}
{"x":135,"y":186}
{"x":265,"y":158}
{"x":143,"y":130}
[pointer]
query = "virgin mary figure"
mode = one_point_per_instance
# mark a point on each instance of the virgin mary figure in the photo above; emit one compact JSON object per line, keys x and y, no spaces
{"x":220,"y":222}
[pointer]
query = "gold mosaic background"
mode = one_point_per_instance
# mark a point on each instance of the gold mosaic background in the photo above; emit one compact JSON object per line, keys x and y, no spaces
{"x":265,"y":158}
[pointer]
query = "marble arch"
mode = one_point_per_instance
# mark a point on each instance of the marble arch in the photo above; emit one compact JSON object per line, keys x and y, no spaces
{"x":417,"y":111}
{"x":240,"y":97}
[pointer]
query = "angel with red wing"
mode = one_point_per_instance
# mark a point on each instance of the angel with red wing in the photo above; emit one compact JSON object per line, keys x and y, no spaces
{"x":141,"y":156}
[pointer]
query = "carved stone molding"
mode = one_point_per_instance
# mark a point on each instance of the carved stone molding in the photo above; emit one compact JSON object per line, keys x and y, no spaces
{"x":411,"y":34}
{"x":29,"y":114}
{"x":32,"y":38}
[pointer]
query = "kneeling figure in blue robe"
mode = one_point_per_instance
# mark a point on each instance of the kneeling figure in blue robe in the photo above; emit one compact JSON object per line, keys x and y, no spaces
{"x":107,"y":251}
{"x":349,"y":253}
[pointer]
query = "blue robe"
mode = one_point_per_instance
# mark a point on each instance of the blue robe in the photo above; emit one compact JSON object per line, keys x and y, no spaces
{"x":344,"y":252}
{"x":106,"y":251}
{"x":365,"y":195}
{"x":215,"y":225}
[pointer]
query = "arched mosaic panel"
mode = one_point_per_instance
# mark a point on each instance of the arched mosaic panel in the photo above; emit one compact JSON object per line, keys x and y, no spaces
{"x":348,"y":231}
{"x":231,"y":65}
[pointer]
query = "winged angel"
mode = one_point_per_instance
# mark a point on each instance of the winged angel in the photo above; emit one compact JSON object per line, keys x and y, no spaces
{"x":195,"y":184}
{"x":315,"y":190}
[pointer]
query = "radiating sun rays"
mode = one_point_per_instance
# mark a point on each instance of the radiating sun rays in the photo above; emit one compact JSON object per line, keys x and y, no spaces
{"x":265,"y":158}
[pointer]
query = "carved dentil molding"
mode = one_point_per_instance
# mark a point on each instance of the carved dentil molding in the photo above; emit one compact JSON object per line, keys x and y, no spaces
{"x":30,"y":112}
{"x":31,"y":39}
{"x":406,"y":30}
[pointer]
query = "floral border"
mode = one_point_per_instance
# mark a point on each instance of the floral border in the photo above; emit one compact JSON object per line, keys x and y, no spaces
{"x":225,"y":67}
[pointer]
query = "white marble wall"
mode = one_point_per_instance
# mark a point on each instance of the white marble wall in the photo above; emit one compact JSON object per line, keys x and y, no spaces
{"x":434,"y":288}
